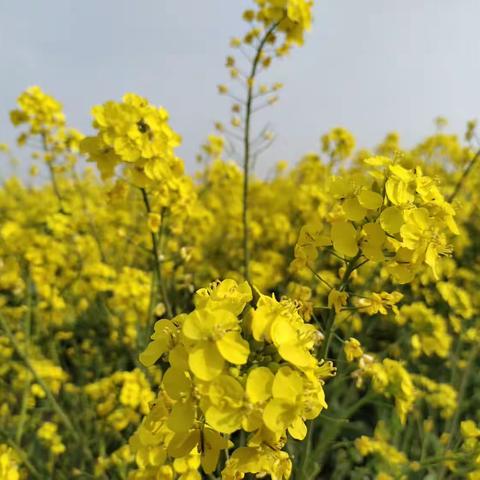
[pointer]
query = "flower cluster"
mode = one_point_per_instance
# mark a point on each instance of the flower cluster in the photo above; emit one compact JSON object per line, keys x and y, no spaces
{"x":137,"y":135}
{"x":293,"y":17}
{"x":394,"y":215}
{"x":39,"y":111}
{"x":111,"y":366}
{"x":48,"y":434}
{"x":121,"y":398}
{"x":43,"y":116}
{"x":9,"y":469}
{"x":232,"y":366}
{"x":392,"y":461}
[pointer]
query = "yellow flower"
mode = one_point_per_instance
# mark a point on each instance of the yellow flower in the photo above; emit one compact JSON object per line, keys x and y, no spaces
{"x":344,"y":238}
{"x":352,"y":349}
{"x":226,"y":295}
{"x":163,"y":340}
{"x":215,"y":337}
{"x":137,"y":134}
{"x":261,"y":460}
{"x":226,"y":396}
{"x":154,"y":220}
{"x":469,"y":429}
{"x":292,"y":402}
{"x":337,"y":300}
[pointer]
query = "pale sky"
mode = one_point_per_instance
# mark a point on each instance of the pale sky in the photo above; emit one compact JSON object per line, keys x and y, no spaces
{"x":369,"y":65}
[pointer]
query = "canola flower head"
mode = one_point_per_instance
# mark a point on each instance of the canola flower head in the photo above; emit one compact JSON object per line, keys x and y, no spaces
{"x":352,"y":247}
{"x":48,"y":434}
{"x":395,"y":216}
{"x":44,"y":122}
{"x":39,"y":110}
{"x":9,"y":464}
{"x":137,"y":135}
{"x":294,"y":17}
{"x":234,"y":364}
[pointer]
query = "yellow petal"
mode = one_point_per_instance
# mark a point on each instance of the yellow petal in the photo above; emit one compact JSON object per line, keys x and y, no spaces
{"x":224,"y":420}
{"x":278,"y":415}
{"x":370,"y":200}
{"x":177,"y":384}
{"x":282,"y":331}
{"x":353,"y":210}
{"x":182,"y":417}
{"x":153,"y":352}
{"x":195,"y":326}
{"x":298,"y":429}
{"x":344,"y":238}
{"x":287,"y":384}
{"x":183,"y":443}
{"x":391,"y":220}
{"x":297,"y":355}
{"x":225,"y":388}
{"x":378,"y":161}
{"x":178,"y":357}
{"x":211,"y":445}
{"x":375,"y":234}
{"x":234,"y":348}
{"x":205,"y":361}
{"x":259,"y":384}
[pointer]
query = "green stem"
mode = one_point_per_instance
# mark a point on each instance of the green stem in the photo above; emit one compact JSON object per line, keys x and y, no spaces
{"x":331,"y":434}
{"x":56,"y":189}
{"x":331,"y":315}
{"x":308,"y":449}
{"x":26,"y":389}
{"x":91,"y":222}
{"x":24,"y":458}
{"x":156,"y":261}
{"x":246,"y":148}
{"x":461,"y":394}
{"x":53,"y":177}
{"x":48,"y":393}
{"x":465,"y":174}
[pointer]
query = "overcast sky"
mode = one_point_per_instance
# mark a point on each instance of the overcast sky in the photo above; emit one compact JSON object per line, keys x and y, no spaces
{"x":369,"y":65}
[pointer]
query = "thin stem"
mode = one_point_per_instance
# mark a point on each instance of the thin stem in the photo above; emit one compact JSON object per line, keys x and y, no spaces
{"x":48,"y":393}
{"x":156,"y":261}
{"x":465,"y":174}
{"x":327,"y":284}
{"x":53,"y":177}
{"x":308,"y":449}
{"x":331,"y":316}
{"x":461,"y":394}
{"x":91,"y":222}
{"x":246,"y":149}
{"x":56,"y":189}
{"x":28,"y":381}
{"x":23,"y":458}
{"x":330,"y":435}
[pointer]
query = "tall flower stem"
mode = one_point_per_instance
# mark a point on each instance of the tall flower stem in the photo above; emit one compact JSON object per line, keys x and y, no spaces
{"x":351,"y":266}
{"x":453,"y":426}
{"x":314,"y":461}
{"x":26,"y":390}
{"x":465,"y":174}
{"x":53,"y":177}
{"x":246,"y":147}
{"x":155,"y":247}
{"x":329,"y":331}
{"x":65,"y":419}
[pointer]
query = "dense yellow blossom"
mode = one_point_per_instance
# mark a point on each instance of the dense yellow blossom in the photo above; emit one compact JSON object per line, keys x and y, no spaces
{"x":9,"y":467}
{"x":318,"y":322}
{"x":220,"y":380}
{"x":136,"y":134}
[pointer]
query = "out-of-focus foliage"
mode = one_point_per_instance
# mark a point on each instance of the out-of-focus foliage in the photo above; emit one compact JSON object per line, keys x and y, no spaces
{"x":139,"y":340}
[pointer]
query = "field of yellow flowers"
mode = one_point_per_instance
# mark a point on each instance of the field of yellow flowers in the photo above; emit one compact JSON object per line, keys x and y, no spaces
{"x":319,"y":324}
